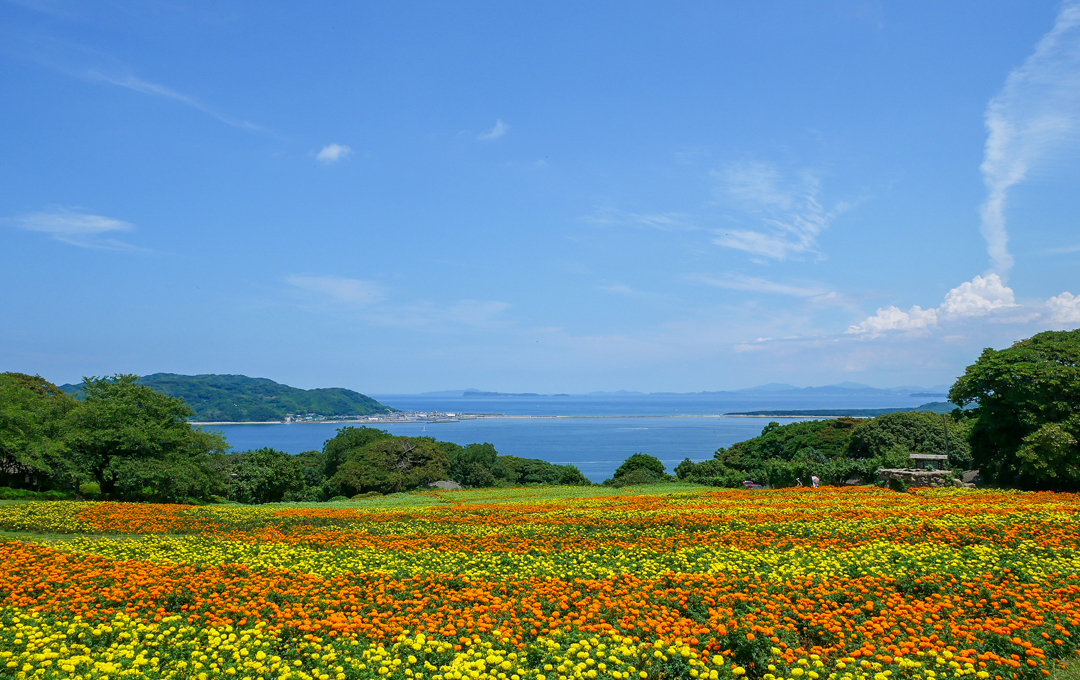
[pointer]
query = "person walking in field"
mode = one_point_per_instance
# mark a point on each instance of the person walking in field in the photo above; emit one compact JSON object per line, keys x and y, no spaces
{"x":815,"y":481}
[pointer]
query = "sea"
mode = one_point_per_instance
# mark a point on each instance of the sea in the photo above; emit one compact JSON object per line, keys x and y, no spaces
{"x":594,"y":432}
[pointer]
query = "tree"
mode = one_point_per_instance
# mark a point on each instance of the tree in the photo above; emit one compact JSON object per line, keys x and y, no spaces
{"x":1025,"y":429}
{"x":32,"y":451}
{"x":136,"y":443}
{"x":391,"y":465}
{"x":826,"y":438}
{"x":473,"y":465}
{"x":263,"y":476}
{"x":346,"y":443}
{"x":913,"y":431}
{"x":641,"y":461}
{"x":639,"y":468}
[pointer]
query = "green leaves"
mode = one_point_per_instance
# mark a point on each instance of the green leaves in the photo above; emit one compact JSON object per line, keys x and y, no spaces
{"x":1026,"y":425}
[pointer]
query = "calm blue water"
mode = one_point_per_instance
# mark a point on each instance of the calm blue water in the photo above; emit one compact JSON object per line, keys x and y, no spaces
{"x":643,"y":405}
{"x":596,"y":445}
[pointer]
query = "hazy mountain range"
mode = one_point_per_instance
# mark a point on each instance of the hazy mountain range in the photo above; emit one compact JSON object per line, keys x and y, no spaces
{"x":777,"y":389}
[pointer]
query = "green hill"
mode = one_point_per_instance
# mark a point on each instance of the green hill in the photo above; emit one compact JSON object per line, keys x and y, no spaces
{"x":238,"y":398}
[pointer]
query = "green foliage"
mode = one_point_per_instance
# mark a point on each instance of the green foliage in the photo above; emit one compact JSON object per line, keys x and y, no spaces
{"x":637,"y":476}
{"x":475,"y":465}
{"x":90,"y":489}
{"x":391,"y":465}
{"x":917,"y":432}
{"x":1025,"y":429}
{"x":346,"y":442}
{"x":264,"y":476}
{"x":238,"y":398}
{"x":135,"y":442}
{"x":10,"y":494}
{"x":32,"y":450}
{"x":515,"y":471}
{"x":642,"y":461}
{"x":820,"y":439}
{"x":126,"y":440}
{"x":785,"y":455}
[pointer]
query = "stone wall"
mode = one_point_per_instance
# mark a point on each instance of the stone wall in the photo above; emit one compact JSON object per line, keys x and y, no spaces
{"x":916,"y":477}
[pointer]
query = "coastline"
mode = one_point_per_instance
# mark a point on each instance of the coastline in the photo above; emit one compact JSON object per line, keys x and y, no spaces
{"x":492,"y":417}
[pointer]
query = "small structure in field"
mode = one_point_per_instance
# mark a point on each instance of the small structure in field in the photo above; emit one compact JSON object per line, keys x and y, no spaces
{"x":446,"y":485}
{"x":927,"y":461}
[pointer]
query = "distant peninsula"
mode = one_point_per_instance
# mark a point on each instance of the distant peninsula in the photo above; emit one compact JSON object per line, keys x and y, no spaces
{"x":240,"y":399}
{"x":932,"y":407}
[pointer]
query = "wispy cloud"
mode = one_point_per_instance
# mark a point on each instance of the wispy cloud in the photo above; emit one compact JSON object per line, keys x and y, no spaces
{"x":495,"y":132}
{"x":95,"y":66}
{"x":341,"y":290}
{"x":332,"y":153}
{"x":672,"y":221}
{"x":132,"y":82}
{"x":1034,"y":115}
{"x":627,"y":291}
{"x":361,"y":299}
{"x":789,"y":212}
{"x":77,"y":227}
{"x":1062,"y":251}
{"x":757,"y":285}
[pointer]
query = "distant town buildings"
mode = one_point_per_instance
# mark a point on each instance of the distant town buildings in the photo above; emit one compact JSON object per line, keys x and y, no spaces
{"x":395,"y":417}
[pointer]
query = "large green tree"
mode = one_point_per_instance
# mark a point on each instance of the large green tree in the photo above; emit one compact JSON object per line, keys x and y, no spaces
{"x":346,"y":443}
{"x":136,"y":443}
{"x":32,"y":450}
{"x":264,"y":476}
{"x":391,"y":465}
{"x":1026,"y":425}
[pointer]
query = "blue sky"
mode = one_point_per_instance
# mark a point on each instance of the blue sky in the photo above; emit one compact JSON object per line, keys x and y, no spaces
{"x":398,"y":197}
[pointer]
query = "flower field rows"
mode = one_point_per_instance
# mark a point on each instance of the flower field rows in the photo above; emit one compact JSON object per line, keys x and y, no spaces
{"x":548,"y":584}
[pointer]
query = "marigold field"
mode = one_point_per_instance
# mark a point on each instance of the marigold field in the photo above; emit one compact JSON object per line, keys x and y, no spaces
{"x":547,"y":584}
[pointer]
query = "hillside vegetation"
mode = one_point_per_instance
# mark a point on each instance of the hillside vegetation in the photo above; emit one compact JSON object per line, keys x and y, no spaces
{"x":238,"y":398}
{"x":125,"y":440}
{"x":834,"y":450}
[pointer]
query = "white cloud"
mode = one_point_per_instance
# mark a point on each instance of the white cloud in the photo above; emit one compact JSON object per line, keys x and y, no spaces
{"x":789,"y":211}
{"x":892,"y":318}
{"x":494,"y":133}
{"x":983,"y":296}
{"x":1034,"y":115}
{"x":759,"y":285}
{"x":331,"y":153}
{"x":77,"y":228}
{"x":342,"y":290}
{"x":1064,"y":308}
{"x":978,"y":297}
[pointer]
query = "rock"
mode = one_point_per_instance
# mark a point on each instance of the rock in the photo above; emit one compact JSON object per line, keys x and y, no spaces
{"x":916,"y":478}
{"x":446,"y":485}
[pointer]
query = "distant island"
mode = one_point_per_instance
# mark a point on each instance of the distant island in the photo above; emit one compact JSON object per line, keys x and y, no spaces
{"x":844,"y":389}
{"x":239,"y":399}
{"x":932,"y":407}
